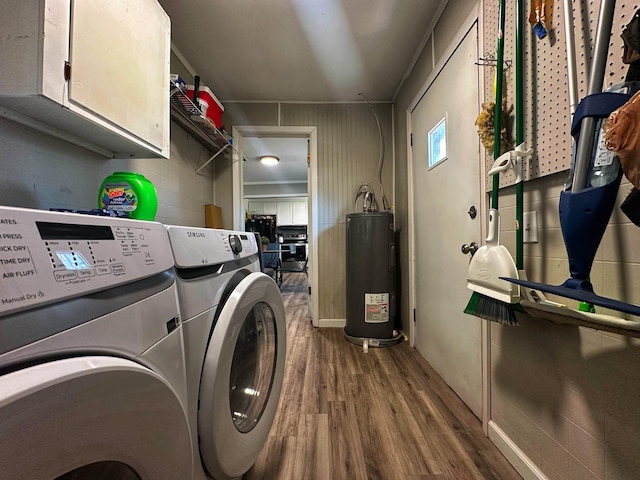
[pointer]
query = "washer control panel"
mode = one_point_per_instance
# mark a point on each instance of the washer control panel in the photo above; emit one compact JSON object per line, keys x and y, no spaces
{"x":199,"y":247}
{"x":48,"y":256}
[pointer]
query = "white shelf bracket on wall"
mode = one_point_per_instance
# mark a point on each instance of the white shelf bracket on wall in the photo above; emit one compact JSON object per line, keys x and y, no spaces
{"x":212,"y":158}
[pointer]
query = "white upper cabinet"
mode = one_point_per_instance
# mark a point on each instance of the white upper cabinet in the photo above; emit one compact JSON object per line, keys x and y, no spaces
{"x":300,"y":213}
{"x":288,"y":212}
{"x":270,"y":207}
{"x":95,"y":73}
{"x":292,"y":212}
{"x":255,"y":207}
{"x":284,"y":213}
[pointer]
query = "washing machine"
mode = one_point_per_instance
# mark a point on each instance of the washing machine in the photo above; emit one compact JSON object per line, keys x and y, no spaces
{"x":235,"y":346}
{"x":92,"y":368}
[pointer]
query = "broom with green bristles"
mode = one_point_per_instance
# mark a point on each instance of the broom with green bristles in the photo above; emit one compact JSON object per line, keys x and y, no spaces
{"x":494,"y":299}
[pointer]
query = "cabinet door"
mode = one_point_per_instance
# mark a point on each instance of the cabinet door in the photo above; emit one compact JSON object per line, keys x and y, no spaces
{"x":105,"y":61}
{"x":118,"y":66}
{"x":285,"y":213}
{"x":254,"y":207}
{"x":300,"y":214}
{"x":270,"y":208}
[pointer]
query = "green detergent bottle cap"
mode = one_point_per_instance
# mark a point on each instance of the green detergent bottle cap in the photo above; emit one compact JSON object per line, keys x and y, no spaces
{"x":586,"y":307}
{"x":131,"y":193}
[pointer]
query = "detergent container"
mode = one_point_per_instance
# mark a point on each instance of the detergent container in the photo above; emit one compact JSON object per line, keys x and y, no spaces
{"x":130,"y":193}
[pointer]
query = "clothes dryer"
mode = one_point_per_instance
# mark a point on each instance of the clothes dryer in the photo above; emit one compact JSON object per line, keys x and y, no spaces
{"x":92,"y":373}
{"x":235,"y":346}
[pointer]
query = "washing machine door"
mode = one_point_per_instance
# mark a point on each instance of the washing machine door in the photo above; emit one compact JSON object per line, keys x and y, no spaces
{"x":242,"y":377}
{"x":91,"y":417}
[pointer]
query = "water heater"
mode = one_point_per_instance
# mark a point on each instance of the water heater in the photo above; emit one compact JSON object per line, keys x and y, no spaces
{"x":370,"y":278}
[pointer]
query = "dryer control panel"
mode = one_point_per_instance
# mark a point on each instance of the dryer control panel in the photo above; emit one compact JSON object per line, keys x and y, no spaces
{"x":48,"y":256}
{"x":199,"y":247}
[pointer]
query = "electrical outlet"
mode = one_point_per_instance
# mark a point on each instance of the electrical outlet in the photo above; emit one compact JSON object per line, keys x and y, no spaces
{"x":530,"y":227}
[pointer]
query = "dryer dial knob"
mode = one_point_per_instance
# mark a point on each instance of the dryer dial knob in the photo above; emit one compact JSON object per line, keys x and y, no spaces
{"x":235,"y":243}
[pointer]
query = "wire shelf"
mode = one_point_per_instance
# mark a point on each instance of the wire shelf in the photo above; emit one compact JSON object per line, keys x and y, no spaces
{"x":185,"y":113}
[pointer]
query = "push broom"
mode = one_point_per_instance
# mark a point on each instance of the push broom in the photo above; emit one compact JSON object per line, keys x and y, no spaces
{"x":492,"y":298}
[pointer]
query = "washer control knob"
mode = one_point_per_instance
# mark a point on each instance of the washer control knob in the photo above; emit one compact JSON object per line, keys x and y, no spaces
{"x":235,"y":243}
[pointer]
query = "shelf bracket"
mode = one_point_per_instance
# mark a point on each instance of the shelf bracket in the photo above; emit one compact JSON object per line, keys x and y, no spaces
{"x":212,"y":158}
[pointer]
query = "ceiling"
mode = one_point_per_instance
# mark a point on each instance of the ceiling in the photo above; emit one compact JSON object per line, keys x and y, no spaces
{"x":298,"y":50}
{"x":292,"y":166}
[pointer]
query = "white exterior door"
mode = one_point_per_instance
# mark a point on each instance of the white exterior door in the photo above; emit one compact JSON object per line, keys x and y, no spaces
{"x":449,"y":339}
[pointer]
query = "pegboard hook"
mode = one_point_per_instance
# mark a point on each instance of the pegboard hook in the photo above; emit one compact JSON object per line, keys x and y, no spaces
{"x":489,"y":60}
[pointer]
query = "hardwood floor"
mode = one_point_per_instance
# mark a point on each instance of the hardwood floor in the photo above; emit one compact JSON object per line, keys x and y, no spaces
{"x":383,"y":415}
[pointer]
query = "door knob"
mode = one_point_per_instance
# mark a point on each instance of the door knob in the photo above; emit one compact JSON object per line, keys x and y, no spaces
{"x":471,"y":248}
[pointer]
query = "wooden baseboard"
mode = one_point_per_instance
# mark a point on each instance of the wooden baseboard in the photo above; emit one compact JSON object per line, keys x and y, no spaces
{"x":332,"y":323}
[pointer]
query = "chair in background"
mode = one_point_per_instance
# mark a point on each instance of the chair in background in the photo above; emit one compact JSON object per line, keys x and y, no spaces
{"x":269,"y":261}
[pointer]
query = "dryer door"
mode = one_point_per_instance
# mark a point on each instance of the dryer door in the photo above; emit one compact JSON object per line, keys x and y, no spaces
{"x":91,"y":417}
{"x":242,"y":377}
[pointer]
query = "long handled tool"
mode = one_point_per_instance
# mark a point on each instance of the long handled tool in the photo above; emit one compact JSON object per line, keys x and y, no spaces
{"x":585,"y":208}
{"x":494,"y":299}
{"x":519,"y":132}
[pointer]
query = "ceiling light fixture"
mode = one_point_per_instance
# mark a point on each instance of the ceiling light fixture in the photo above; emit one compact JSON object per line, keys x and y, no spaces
{"x":269,"y":160}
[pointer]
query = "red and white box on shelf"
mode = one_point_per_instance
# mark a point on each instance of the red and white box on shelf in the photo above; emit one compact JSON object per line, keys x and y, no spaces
{"x":209,"y":104}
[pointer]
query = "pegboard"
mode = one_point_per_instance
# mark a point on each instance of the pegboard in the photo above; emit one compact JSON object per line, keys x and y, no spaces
{"x":547,"y":114}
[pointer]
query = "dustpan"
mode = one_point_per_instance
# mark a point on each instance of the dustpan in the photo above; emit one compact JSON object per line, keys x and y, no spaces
{"x":491,"y":262}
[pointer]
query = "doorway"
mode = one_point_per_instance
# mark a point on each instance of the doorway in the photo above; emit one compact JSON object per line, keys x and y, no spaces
{"x":245,"y":139}
{"x":444,"y":163}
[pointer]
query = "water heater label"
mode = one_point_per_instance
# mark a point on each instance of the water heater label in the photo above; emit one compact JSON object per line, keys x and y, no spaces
{"x":376,"y":307}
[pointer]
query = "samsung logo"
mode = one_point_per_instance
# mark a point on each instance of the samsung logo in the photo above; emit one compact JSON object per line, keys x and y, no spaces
{"x":196,"y":235}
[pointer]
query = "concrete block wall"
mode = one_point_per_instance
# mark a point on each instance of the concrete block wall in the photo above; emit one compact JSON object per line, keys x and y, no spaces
{"x":39,"y":171}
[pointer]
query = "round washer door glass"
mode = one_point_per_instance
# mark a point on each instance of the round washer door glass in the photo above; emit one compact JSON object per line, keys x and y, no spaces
{"x":253,"y":367}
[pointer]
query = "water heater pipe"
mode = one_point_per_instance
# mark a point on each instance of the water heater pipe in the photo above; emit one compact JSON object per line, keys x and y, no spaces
{"x":381,"y":156}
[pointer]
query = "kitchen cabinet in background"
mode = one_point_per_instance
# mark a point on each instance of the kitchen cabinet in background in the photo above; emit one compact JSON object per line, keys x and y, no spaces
{"x":284,"y":213}
{"x":288,"y":212}
{"x":95,"y":73}
{"x":253,"y":206}
{"x":270,"y":207}
{"x":299,"y":213}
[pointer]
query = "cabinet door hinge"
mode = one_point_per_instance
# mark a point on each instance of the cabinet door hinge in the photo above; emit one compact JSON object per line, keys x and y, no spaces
{"x":67,"y":71}
{"x":411,"y":139}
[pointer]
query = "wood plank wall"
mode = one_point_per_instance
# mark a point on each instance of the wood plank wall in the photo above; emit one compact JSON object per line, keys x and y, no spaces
{"x":348,"y":154}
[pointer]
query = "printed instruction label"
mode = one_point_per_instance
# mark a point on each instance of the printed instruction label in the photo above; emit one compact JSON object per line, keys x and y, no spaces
{"x":376,"y":307}
{"x":16,"y":268}
{"x":604,"y":156}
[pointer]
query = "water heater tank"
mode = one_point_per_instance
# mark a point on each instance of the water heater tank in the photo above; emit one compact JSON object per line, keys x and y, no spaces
{"x":370,"y":280}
